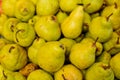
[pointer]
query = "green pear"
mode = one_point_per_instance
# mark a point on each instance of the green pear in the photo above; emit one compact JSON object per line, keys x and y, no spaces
{"x":33,"y":20}
{"x":68,"y":44}
{"x":68,"y":6}
{"x":104,"y":57}
{"x":68,"y":72}
{"x":93,"y":15}
{"x":51,"y":56}
{"x":61,"y":16}
{"x":113,"y":12}
{"x":100,"y":26}
{"x":13,"y":57}
{"x":3,"y":19}
{"x":82,"y":54}
{"x":24,"y":10}
{"x":34,"y":48}
{"x":8,"y":7}
{"x":9,"y":27}
{"x":99,"y":71}
{"x":47,"y":7}
{"x":113,"y":45}
{"x":99,"y":48}
{"x":72,"y":25}
{"x":115,"y":65}
{"x":39,"y":75}
{"x":47,"y":27}
{"x":92,"y":6}
{"x":24,"y":34}
{"x":86,"y":22}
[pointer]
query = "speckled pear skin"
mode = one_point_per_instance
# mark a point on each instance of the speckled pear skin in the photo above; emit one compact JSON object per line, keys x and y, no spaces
{"x":13,"y":57}
{"x":40,"y":75}
{"x":68,"y":72}
{"x":24,"y":10}
{"x":51,"y":56}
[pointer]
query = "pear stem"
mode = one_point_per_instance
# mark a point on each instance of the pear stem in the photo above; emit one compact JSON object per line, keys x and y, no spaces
{"x":115,"y":5}
{"x":109,"y":16}
{"x":94,"y":44}
{"x":117,"y":40}
{"x":64,"y":77}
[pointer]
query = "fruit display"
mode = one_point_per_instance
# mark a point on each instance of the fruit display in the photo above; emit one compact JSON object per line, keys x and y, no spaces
{"x":59,"y":39}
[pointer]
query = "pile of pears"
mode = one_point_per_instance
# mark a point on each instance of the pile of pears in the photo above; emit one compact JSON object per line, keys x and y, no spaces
{"x":60,"y":40}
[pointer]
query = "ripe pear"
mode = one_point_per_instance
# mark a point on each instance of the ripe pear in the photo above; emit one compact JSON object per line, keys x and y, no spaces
{"x":82,"y":54}
{"x":104,"y":57}
{"x":8,"y":7}
{"x":13,"y":57}
{"x":47,"y":7}
{"x":68,"y":6}
{"x":113,"y":12}
{"x":51,"y":56}
{"x":39,"y":75}
{"x":34,"y":48}
{"x":115,"y":65}
{"x":68,"y":44}
{"x":92,"y":6}
{"x":99,"y":71}
{"x":47,"y":27}
{"x":113,"y":45}
{"x":3,"y":19}
{"x":9,"y":27}
{"x":68,"y":72}
{"x":100,"y":26}
{"x":24,"y":34}
{"x":61,"y":16}
{"x":72,"y":25}
{"x":24,"y":9}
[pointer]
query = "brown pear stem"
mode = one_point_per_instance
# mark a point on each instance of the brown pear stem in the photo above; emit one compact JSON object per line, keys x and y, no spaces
{"x":11,"y":48}
{"x":94,"y":44}
{"x":117,"y":40}
{"x":64,"y":77}
{"x":109,"y":16}
{"x":115,"y":5}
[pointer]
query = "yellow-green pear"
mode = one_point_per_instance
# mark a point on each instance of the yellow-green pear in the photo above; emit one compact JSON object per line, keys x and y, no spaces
{"x":51,"y":56}
{"x":34,"y":48}
{"x":72,"y":25}
{"x":13,"y":57}
{"x":39,"y":74}
{"x":115,"y":65}
{"x":68,"y":72}
{"x":82,"y":54}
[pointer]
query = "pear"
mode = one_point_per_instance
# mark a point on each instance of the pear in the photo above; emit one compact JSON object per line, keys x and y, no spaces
{"x":24,"y":34}
{"x":47,"y":27}
{"x":24,"y":10}
{"x":47,"y":7}
{"x":69,"y":6}
{"x":39,"y":75}
{"x":34,"y":48}
{"x":33,"y":20}
{"x":68,"y":72}
{"x":113,"y":45}
{"x":68,"y":44}
{"x":51,"y":56}
{"x":72,"y":25}
{"x":9,"y":27}
{"x":8,"y":7}
{"x":3,"y":19}
{"x":13,"y":57}
{"x":100,"y":26}
{"x":79,"y":38}
{"x":93,"y":15}
{"x":114,"y":63}
{"x":113,"y":12}
{"x":86,"y":22}
{"x":99,"y":71}
{"x":104,"y":57}
{"x":61,"y":16}
{"x":82,"y":54}
{"x":92,"y":6}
